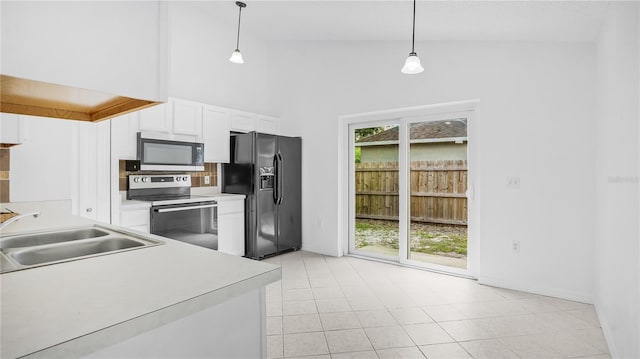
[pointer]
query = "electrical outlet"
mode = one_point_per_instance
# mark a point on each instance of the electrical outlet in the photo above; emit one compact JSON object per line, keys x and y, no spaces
{"x":515,"y":246}
{"x":207,"y":179}
{"x":513,"y":182}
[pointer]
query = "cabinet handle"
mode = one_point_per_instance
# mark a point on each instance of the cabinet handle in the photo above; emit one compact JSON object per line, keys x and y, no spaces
{"x":89,"y":210}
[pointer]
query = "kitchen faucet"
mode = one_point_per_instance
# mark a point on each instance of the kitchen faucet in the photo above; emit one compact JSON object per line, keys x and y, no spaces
{"x":13,"y":219}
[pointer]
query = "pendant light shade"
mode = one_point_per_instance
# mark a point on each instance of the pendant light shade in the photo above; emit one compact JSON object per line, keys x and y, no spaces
{"x":412,"y":64}
{"x":236,"y":56}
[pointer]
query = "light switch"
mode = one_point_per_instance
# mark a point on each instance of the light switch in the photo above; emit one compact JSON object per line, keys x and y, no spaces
{"x":207,"y":179}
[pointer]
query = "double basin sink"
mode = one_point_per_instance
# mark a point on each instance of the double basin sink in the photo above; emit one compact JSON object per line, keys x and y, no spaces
{"x":23,"y":251}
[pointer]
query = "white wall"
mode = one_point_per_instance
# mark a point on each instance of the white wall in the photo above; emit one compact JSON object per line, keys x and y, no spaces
{"x":617,"y":274}
{"x":199,"y":65}
{"x":535,"y":121}
{"x":63,"y":160}
{"x":44,"y":167}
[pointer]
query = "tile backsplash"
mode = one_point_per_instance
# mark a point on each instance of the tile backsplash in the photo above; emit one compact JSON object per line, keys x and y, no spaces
{"x":197,"y":178}
{"x":5,"y":164}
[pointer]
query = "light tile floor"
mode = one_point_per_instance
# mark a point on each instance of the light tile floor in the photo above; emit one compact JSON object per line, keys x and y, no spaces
{"x":332,"y":308}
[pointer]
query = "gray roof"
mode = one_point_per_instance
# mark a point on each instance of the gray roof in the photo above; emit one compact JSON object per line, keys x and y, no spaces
{"x":423,"y":130}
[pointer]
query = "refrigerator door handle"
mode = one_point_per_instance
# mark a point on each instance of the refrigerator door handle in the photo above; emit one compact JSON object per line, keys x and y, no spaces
{"x":276,"y":195}
{"x":279,"y":177}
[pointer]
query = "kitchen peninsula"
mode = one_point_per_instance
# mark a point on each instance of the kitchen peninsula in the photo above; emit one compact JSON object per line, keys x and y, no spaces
{"x":170,"y":300}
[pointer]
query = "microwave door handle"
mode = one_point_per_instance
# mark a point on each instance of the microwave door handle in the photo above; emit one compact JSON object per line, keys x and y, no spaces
{"x":176,"y":209}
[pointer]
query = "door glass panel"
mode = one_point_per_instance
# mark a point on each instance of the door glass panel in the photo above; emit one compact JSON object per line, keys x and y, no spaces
{"x":162,"y":153}
{"x":438,"y":186}
{"x":376,"y":191}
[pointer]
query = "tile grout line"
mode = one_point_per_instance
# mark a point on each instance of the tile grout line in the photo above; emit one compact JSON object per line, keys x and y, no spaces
{"x":352,"y":310}
{"x":570,"y":312}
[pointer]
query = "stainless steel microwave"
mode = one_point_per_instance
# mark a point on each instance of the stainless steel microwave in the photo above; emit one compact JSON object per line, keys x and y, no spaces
{"x":157,"y":154}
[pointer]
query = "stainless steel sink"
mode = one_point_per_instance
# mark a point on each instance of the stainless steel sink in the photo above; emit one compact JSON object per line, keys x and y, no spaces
{"x":45,"y":254}
{"x":30,"y":240}
{"x":44,"y":248}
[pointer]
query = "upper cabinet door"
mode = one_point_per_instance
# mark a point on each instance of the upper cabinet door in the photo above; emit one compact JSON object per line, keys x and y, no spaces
{"x":187,"y":118}
{"x":216,"y":125}
{"x":243,"y":121}
{"x":124,"y":138}
{"x":13,"y":129}
{"x":266,"y":124}
{"x":156,"y":118}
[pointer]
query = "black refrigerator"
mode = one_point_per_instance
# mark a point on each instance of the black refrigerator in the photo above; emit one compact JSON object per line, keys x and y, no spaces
{"x":267,"y":169}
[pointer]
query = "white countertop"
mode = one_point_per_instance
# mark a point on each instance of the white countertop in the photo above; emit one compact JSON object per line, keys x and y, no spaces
{"x":74,"y":308}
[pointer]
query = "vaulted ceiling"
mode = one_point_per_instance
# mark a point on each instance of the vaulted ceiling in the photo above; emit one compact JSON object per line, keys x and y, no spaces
{"x":435,"y":20}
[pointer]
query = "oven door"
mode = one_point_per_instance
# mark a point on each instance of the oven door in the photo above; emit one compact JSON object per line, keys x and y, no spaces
{"x":193,"y":223}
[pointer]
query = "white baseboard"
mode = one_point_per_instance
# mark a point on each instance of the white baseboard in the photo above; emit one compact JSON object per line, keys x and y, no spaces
{"x":606,"y":330}
{"x":307,"y":248}
{"x":551,"y":292}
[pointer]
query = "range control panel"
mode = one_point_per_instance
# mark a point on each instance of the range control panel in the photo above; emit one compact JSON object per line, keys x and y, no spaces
{"x":159,"y":181}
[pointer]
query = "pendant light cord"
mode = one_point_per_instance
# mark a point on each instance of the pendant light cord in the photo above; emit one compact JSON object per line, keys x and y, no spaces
{"x":413,"y":36}
{"x":238,"y":38}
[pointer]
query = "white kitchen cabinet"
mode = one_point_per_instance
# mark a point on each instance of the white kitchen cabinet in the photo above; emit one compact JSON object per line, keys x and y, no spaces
{"x":156,"y":118}
{"x":13,"y":129}
{"x":124,"y":130}
{"x":216,"y":127}
{"x":186,"y":117}
{"x":246,"y":122}
{"x":93,"y":189}
{"x":231,"y":226}
{"x":87,"y":166}
{"x":233,"y":328}
{"x":183,"y":120}
{"x":266,"y":124}
{"x":242,"y":121}
{"x":177,"y":118}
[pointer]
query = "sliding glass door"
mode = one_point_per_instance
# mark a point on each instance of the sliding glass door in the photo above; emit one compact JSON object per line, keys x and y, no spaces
{"x":437,"y":165}
{"x":408,"y":185}
{"x":375,"y":196}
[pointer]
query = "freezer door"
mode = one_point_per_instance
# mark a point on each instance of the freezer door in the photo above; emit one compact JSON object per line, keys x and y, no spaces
{"x":266,"y":240}
{"x":289,"y":193}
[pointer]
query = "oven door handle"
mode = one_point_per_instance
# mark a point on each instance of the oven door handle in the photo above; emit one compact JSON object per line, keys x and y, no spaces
{"x":176,"y":209}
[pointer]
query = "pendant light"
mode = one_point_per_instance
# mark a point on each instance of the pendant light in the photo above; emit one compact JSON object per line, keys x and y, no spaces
{"x":412,"y":64}
{"x":236,"y":56}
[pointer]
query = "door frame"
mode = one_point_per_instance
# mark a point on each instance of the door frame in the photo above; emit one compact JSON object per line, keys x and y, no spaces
{"x":346,"y":187}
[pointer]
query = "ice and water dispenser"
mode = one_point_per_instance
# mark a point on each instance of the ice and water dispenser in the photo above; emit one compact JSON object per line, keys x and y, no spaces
{"x":267,"y":176}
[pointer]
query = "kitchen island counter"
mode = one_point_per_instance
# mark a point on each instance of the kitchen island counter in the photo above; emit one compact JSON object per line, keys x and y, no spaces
{"x":79,"y":307}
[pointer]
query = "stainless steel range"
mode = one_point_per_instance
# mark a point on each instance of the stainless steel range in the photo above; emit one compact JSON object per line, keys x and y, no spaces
{"x":175,"y":213}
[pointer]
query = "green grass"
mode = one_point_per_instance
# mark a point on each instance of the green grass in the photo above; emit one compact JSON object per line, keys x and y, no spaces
{"x":385,"y":233}
{"x":376,"y":226}
{"x":448,"y":244}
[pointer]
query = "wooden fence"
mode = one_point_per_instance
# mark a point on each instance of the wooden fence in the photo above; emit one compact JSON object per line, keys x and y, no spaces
{"x":438,"y":191}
